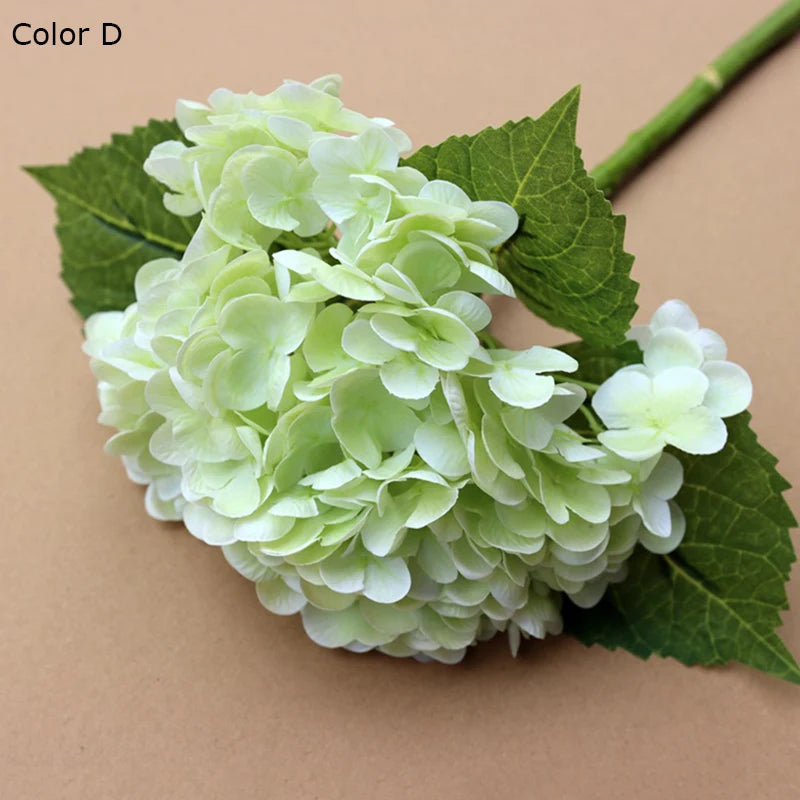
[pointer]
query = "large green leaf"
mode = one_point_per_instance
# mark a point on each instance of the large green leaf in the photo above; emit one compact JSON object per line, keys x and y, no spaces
{"x":718,"y":597}
{"x":566,"y":261}
{"x":111,"y":218}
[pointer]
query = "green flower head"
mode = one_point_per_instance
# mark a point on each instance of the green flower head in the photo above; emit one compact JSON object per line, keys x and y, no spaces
{"x":308,"y":388}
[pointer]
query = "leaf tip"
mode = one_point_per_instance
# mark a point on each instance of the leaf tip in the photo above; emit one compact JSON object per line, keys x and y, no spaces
{"x":32,"y":171}
{"x":39,"y":174}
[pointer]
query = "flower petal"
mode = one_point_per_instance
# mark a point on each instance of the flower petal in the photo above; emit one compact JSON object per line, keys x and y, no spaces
{"x":672,"y":348}
{"x":408,"y":378}
{"x":622,"y":401}
{"x":677,"y":390}
{"x":471,"y":310}
{"x":521,"y":387}
{"x":655,"y":514}
{"x":699,"y":431}
{"x":637,"y":444}
{"x":666,"y":544}
{"x":278,"y":598}
{"x":666,"y":478}
{"x":387,"y":580}
{"x":730,"y":388}
{"x":674,"y":314}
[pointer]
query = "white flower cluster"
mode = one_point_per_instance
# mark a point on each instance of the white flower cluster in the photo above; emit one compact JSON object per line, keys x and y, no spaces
{"x":679,"y":396}
{"x":327,"y":413}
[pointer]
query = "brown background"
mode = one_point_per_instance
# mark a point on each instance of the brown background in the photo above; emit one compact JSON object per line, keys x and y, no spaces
{"x":135,"y":664}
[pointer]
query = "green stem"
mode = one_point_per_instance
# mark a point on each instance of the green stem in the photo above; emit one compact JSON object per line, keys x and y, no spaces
{"x":594,"y":424}
{"x":702,"y":92}
{"x":490,"y":341}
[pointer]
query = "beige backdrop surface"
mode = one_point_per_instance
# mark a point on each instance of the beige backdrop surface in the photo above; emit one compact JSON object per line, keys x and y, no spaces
{"x":135,"y":664}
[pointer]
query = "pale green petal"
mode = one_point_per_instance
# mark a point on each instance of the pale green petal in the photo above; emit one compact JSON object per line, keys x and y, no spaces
{"x":441,"y":355}
{"x":432,"y":502}
{"x":452,"y":634}
{"x":368,"y":420}
{"x":730,"y":389}
{"x":661,"y":545}
{"x":259,"y":321}
{"x":677,"y":390}
{"x":521,"y":387}
{"x":578,"y":535}
{"x":528,"y":519}
{"x":339,"y":628}
{"x":163,"y":396}
{"x":245,"y":563}
{"x":245,"y":379}
{"x":333,"y":477}
{"x":308,"y":292}
{"x":189,"y":113}
{"x":391,"y":467}
{"x":430,"y":266}
{"x":292,"y":132}
{"x":240,"y":496}
{"x":666,"y":478}
{"x":322,"y":348}
{"x":387,"y":580}
{"x":383,"y":530}
{"x":397,"y":285}
{"x":671,"y":347}
{"x":712,"y":344}
{"x":699,"y":431}
{"x":262,"y":526}
{"x":674,"y":314}
{"x":386,"y":618}
{"x":472,"y":563}
{"x":471,"y":310}
{"x":496,"y":442}
{"x":501,"y":215}
{"x":208,"y":526}
{"x":496,"y":534}
{"x":344,"y":572}
{"x":636,"y":444}
{"x":441,"y":447}
{"x":511,"y":595}
{"x":345,"y":281}
{"x":655,"y":514}
{"x":487,"y":279}
{"x":623,"y":400}
{"x":268,"y":181}
{"x":278,"y":598}
{"x":395,"y":331}
{"x":589,"y":501}
{"x":446,"y":194}
{"x":436,"y":559}
{"x":406,"y":377}
{"x":301,"y":537}
{"x":361,"y":342}
{"x":444,"y":326}
{"x":539,"y":359}
{"x":325,"y":598}
{"x":298,"y":505}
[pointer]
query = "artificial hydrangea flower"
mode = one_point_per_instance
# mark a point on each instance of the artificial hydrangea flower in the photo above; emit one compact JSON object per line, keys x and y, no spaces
{"x":249,"y":165}
{"x":679,"y":396}
{"x":323,"y":407}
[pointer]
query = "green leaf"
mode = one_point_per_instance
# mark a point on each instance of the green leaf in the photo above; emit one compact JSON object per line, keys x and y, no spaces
{"x":566,"y":261}
{"x":111,"y":218}
{"x":718,"y":597}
